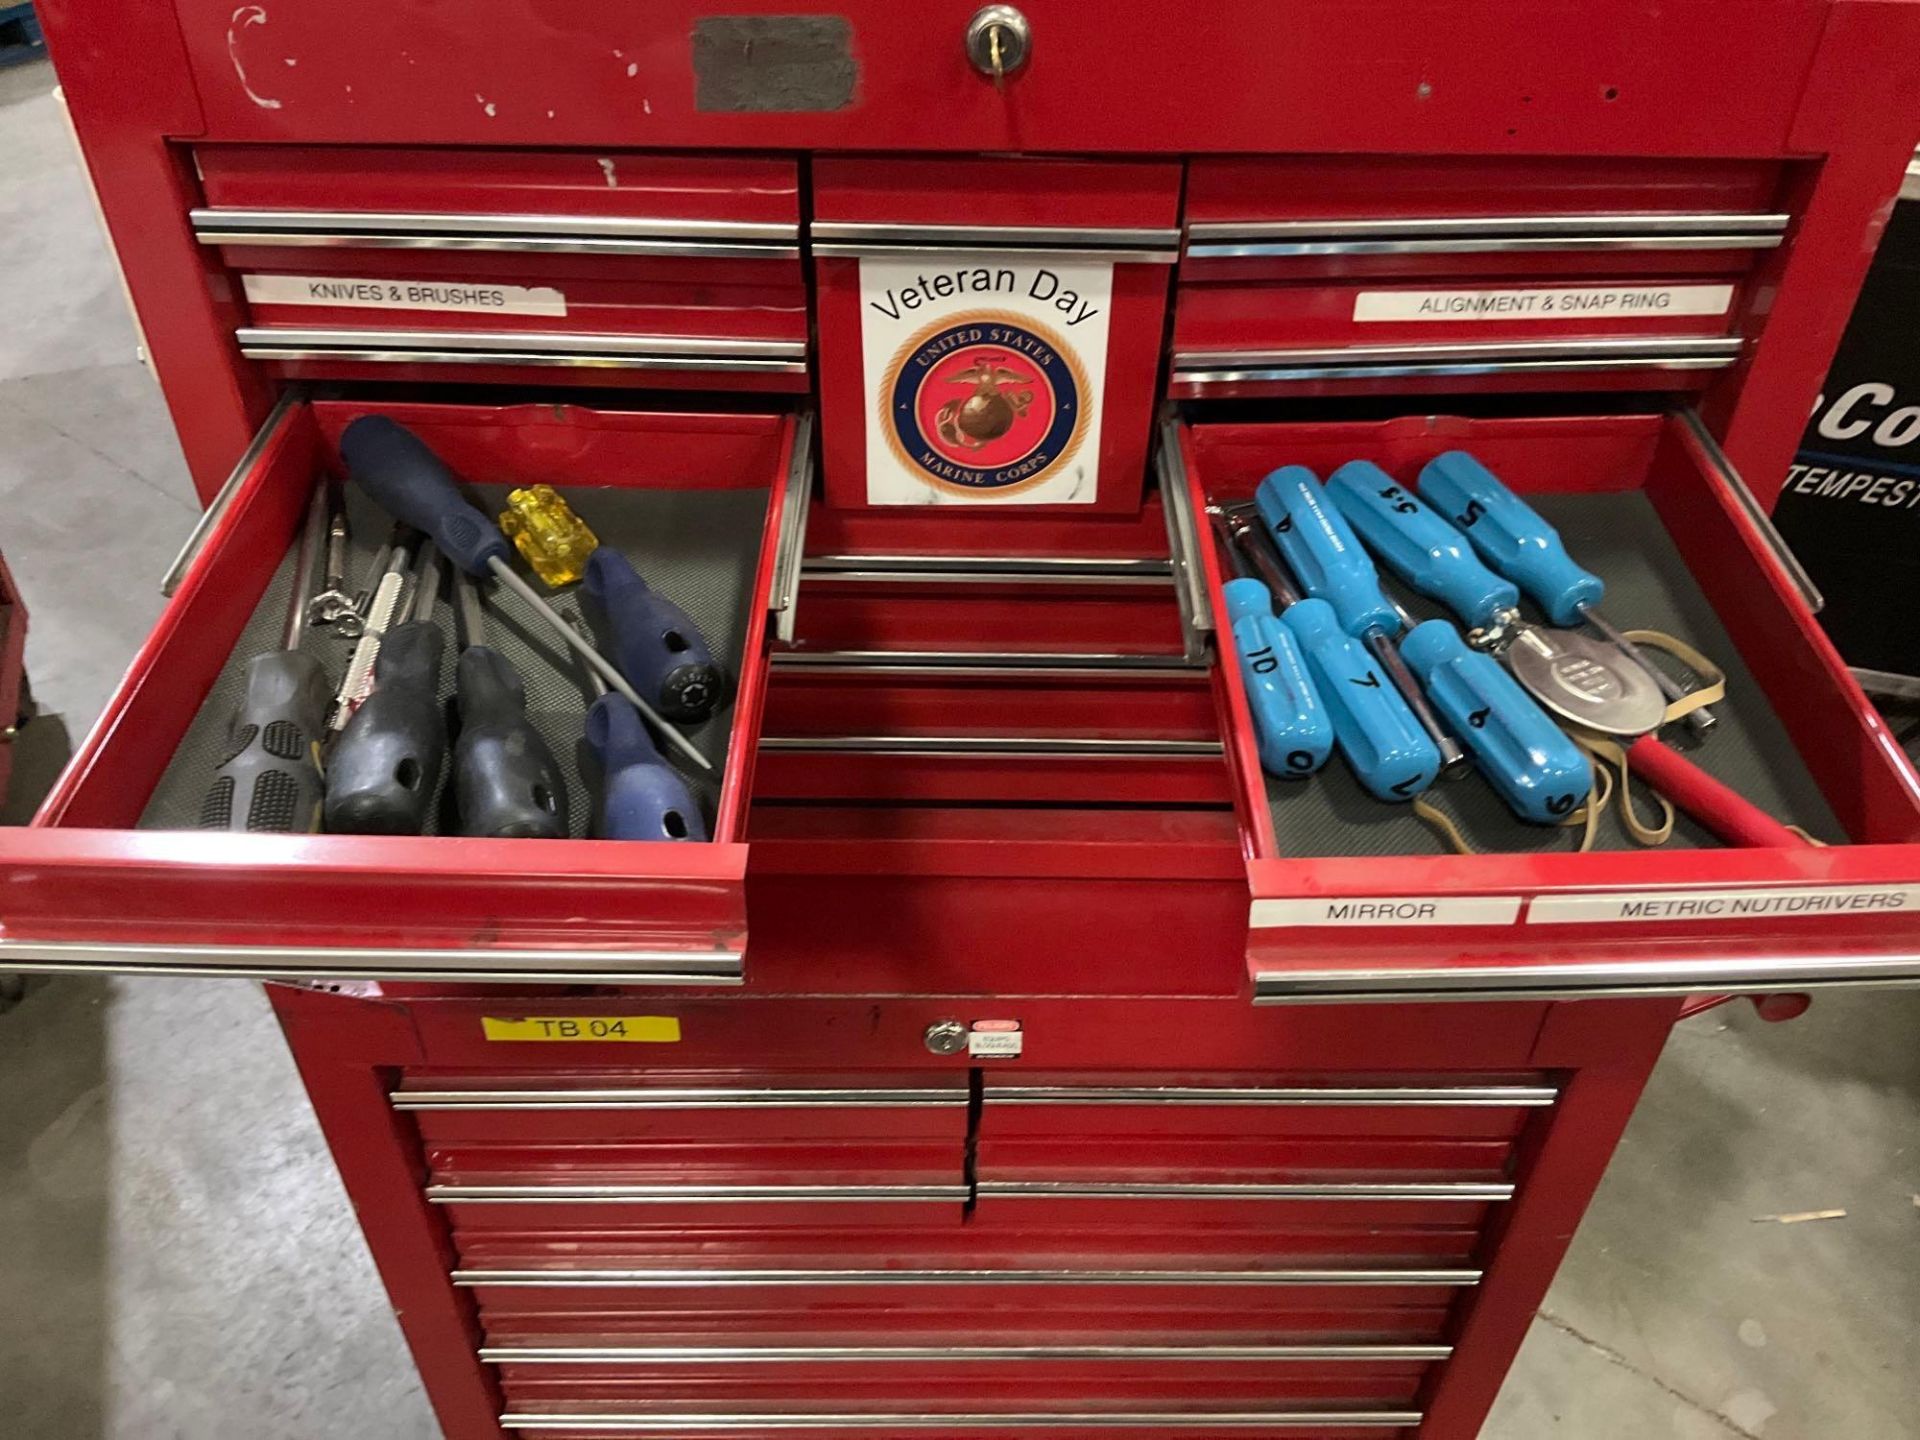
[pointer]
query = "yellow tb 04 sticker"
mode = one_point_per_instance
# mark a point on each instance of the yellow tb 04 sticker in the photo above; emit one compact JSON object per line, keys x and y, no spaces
{"x":603,"y":1029}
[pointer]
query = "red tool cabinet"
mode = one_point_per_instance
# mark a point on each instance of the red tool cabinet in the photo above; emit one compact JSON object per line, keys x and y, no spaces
{"x":1015,"y":1060}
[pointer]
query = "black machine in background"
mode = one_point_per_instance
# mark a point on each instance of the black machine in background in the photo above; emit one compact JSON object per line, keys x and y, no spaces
{"x":1851,"y":506}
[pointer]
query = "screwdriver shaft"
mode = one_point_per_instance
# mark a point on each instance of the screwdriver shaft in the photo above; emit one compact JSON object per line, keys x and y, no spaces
{"x":311,"y":539}
{"x":1699,"y":721}
{"x":593,"y":657}
{"x":1452,"y":757}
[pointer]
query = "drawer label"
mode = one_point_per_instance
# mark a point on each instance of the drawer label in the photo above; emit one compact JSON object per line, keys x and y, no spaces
{"x":1387,"y":910}
{"x":344,"y":292}
{"x":996,"y":1040}
{"x":598,"y":1029}
{"x":1809,"y":901}
{"x":983,"y":377}
{"x":1574,"y":302}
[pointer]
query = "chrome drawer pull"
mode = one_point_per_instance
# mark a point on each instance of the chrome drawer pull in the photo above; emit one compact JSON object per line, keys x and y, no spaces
{"x":664,"y":1278}
{"x":670,"y":1422}
{"x":513,"y":347}
{"x":1515,"y":357}
{"x":689,"y":1194}
{"x":1462,"y":1190}
{"x":1639,"y":347}
{"x":1058,"y":568}
{"x":1043,"y":662}
{"x":1143,"y":246}
{"x":1494,"y":1096}
{"x":879,"y":233}
{"x":880,"y":1354}
{"x":1582,"y":982}
{"x":1439,"y":235}
{"x":915,"y":575}
{"x":1042,"y":745}
{"x":542,"y":234}
{"x":688,"y":1098}
{"x":348,"y":962}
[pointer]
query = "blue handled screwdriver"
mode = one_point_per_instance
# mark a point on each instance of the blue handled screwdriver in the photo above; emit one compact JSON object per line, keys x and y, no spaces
{"x":1418,"y":545}
{"x":1525,"y":756}
{"x":1334,"y":566}
{"x":1537,"y":770}
{"x":1512,"y":537}
{"x":1293,"y":727}
{"x":654,"y":642}
{"x":395,"y":467}
{"x":641,"y":797}
{"x":1389,"y":752}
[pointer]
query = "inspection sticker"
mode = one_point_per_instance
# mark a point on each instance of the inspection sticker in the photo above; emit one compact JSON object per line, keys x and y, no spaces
{"x":600,"y":1029}
{"x":1809,"y":901}
{"x":345,"y":292}
{"x":1387,"y":910}
{"x":1581,"y":302}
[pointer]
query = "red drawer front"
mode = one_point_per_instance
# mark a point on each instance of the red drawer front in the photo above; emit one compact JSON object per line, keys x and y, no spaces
{"x":1334,"y":1206}
{"x":1042,"y":1313}
{"x":1063,"y":1255}
{"x":1157,"y":1110}
{"x":468,"y":1114}
{"x":1313,"y":276}
{"x":1068,"y":734}
{"x":991,"y":618}
{"x":1038,"y":1385}
{"x":547,"y":267}
{"x":481,"y":1204}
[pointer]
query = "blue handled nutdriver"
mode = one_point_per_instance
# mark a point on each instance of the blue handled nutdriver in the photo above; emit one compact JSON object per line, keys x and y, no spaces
{"x":1389,"y":752}
{"x":1512,"y":537}
{"x":1293,"y":726}
{"x":1320,"y":546}
{"x":1423,"y":550}
{"x":1528,"y":759}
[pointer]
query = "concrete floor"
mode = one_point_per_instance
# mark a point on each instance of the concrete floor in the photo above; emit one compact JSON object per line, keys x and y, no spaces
{"x":178,"y":1258}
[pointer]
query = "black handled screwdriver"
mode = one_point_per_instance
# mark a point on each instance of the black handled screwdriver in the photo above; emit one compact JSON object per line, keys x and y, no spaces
{"x":506,"y":782}
{"x":382,"y":770}
{"x":271,"y":778}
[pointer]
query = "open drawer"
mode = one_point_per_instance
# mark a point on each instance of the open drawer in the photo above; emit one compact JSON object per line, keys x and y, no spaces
{"x":113,"y":874}
{"x":1353,"y":899}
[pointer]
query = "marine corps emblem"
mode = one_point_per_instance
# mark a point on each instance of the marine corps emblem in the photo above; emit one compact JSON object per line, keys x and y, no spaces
{"x":985,"y":402}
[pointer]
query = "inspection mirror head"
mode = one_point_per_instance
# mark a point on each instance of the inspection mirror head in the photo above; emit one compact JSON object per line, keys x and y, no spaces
{"x":1586,"y":681}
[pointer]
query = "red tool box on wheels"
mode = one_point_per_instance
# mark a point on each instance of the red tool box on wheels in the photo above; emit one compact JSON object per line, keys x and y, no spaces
{"x":1016,"y":1057}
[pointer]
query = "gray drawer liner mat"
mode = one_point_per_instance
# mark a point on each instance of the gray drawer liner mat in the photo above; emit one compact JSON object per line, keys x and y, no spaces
{"x":1620,"y":537}
{"x":701,"y":548}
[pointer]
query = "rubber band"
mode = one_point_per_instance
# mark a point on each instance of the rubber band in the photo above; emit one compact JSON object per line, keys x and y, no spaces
{"x":1612,"y":769}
